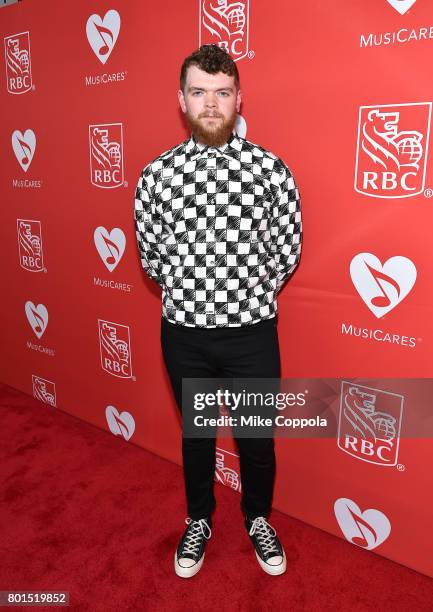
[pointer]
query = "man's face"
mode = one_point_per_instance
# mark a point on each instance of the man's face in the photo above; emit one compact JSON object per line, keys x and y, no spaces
{"x":210,"y":102}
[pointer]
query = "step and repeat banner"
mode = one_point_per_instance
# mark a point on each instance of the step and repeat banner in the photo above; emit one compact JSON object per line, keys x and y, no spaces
{"x":342,"y":92}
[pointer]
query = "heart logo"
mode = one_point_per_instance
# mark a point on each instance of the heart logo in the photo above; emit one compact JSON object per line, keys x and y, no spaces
{"x":37,"y":317}
{"x":120,"y":424}
{"x":110,"y":245}
{"x":402,"y":6}
{"x":367,"y":529}
{"x":382,"y":287}
{"x":24,"y":146}
{"x":102,"y":34}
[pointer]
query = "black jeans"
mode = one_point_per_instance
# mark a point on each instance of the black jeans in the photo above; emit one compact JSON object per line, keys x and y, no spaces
{"x":232,"y":352}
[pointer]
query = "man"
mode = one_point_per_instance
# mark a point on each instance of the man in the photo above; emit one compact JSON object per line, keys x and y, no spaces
{"x":218,"y":226}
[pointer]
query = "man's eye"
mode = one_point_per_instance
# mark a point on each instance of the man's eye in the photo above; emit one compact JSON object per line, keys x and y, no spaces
{"x":196,"y":93}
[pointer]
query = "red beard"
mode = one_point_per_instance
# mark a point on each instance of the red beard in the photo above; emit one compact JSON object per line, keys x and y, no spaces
{"x":216,"y":135}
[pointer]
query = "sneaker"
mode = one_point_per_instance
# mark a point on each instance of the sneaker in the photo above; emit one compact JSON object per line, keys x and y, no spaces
{"x":189,"y":555}
{"x":269,"y":552}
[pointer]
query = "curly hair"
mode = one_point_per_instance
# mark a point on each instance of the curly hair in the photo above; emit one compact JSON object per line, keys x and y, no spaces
{"x":211,"y":59}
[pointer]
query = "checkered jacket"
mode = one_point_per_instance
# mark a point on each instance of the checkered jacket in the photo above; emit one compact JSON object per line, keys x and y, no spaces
{"x":220,"y":230}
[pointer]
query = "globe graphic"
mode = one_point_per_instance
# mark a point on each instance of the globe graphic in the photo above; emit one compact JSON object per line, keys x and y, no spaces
{"x":24,"y":60}
{"x":385,"y":427}
{"x":410,"y":150}
{"x":236,"y":19}
{"x":114,"y":153}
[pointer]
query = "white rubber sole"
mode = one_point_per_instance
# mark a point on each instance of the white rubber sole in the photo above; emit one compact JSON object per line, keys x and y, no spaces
{"x":187,"y":572}
{"x":273,"y":570}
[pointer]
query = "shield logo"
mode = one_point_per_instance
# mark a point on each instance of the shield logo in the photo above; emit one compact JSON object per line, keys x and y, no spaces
{"x":225,"y":23}
{"x":115,"y":347}
{"x":44,"y":390}
{"x":391,"y":156}
{"x":106,"y":155}
{"x":370,"y":423}
{"x":227,"y":469}
{"x":30,"y":245}
{"x":18,"y":63}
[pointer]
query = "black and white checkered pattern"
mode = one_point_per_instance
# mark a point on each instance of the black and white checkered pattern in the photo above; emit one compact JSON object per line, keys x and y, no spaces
{"x":220,"y":230}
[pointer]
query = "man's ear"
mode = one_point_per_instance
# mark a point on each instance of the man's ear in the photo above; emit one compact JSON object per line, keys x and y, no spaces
{"x":181,"y":100}
{"x":238,"y":100}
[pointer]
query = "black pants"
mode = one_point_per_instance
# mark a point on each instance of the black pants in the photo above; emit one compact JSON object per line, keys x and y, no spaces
{"x":238,"y":352}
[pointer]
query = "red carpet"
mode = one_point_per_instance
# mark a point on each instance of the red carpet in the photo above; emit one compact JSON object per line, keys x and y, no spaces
{"x":85,"y":512}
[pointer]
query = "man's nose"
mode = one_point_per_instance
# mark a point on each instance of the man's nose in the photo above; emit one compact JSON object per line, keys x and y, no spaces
{"x":210,"y":100}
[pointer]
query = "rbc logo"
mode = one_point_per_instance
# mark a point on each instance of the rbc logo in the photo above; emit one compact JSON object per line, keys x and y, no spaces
{"x":44,"y":390}
{"x":18,"y":63}
{"x":392,"y":150}
{"x":225,"y":24}
{"x":30,"y":245}
{"x":106,"y":155}
{"x":369,"y":424}
{"x":115,"y":349}
{"x":227,"y":469}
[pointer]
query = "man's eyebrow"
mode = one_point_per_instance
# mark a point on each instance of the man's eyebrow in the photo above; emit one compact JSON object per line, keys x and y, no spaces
{"x":191,"y":87}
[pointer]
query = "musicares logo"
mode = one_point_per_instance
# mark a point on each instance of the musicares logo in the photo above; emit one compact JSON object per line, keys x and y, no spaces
{"x":409,"y":33}
{"x":402,"y":6}
{"x":102,"y":34}
{"x":382,"y":287}
{"x":110,"y":245}
{"x":37,"y":316}
{"x":122,"y":424}
{"x":18,"y":63}
{"x":391,"y":158}
{"x":368,"y":529}
{"x":225,"y":24}
{"x":24,"y":146}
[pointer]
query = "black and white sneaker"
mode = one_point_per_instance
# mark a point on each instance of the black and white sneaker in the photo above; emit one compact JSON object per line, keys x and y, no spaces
{"x":269,"y":551}
{"x":189,"y":555}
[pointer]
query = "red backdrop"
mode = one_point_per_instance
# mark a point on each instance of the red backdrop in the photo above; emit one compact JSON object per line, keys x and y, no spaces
{"x":342,"y":92}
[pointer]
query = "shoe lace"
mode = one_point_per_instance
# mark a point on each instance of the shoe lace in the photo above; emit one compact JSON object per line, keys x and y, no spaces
{"x":196,"y":531}
{"x":266,"y":535}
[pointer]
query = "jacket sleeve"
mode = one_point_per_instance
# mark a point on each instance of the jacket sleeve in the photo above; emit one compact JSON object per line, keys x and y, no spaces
{"x":148,"y":229}
{"x":286,"y":228}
